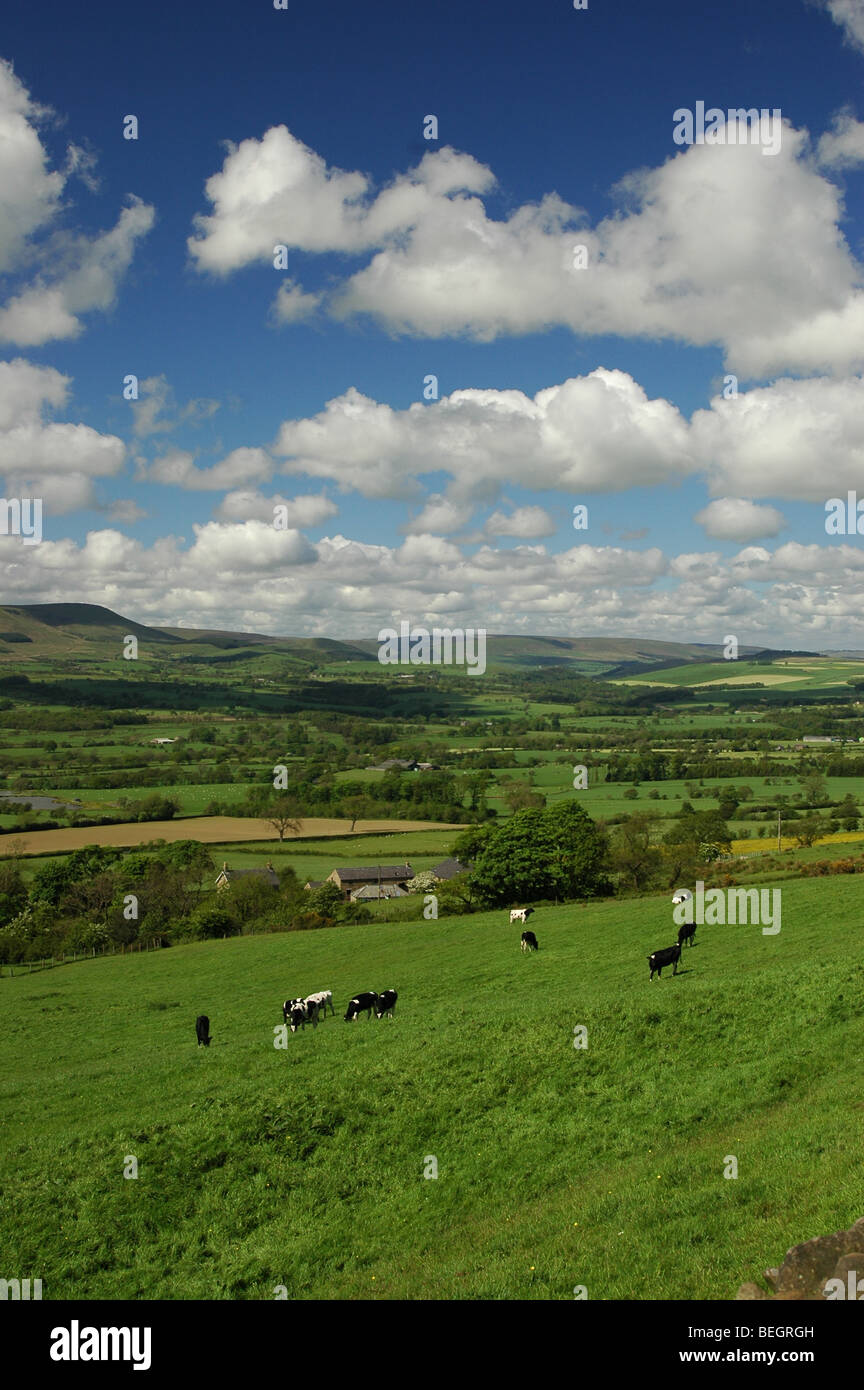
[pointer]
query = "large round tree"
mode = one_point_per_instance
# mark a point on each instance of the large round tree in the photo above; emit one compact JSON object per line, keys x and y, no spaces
{"x":556,"y":853}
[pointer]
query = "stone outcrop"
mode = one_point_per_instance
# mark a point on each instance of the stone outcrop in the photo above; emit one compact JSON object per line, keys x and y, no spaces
{"x":808,"y":1267}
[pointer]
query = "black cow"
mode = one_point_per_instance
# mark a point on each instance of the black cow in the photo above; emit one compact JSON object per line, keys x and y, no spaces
{"x":386,"y":1003}
{"x":686,"y":933}
{"x":669,"y":955}
{"x":202,"y":1030}
{"x":529,"y":941}
{"x":360,"y":1004}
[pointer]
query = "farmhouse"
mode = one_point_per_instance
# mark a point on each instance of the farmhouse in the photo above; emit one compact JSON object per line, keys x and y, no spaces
{"x":397,"y":765}
{"x":267,"y":875}
{"x":350,"y":879}
{"x":160,"y":741}
{"x":449,"y":868}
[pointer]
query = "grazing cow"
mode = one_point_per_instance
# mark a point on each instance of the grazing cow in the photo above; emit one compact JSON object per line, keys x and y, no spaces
{"x":669,"y":955}
{"x":361,"y":1003}
{"x":302,"y":1013}
{"x":520,"y":914}
{"x":529,"y":941}
{"x":202,"y":1030}
{"x":686,"y":933}
{"x":386,"y":1003}
{"x":324,"y":999}
{"x":289,"y":1005}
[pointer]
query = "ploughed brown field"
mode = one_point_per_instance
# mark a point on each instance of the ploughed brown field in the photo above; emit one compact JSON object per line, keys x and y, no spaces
{"x":208,"y":829}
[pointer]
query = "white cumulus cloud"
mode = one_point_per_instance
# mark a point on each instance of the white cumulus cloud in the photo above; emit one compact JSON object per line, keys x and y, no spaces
{"x":737,"y":519}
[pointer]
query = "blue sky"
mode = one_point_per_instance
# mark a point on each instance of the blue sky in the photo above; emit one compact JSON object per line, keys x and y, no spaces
{"x":452,"y":257}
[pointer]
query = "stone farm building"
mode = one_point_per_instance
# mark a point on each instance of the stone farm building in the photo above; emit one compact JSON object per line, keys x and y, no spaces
{"x":348,"y":881}
{"x":267,"y":875}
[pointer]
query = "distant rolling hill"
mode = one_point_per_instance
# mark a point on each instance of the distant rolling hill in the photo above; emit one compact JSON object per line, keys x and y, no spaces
{"x":37,"y":631}
{"x":41,"y":631}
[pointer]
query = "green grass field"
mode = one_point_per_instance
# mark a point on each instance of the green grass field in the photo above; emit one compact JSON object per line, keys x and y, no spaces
{"x":557,"y":1167}
{"x":792,"y":673}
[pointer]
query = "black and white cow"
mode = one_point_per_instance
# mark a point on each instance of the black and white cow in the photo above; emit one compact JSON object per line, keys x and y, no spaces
{"x":686,"y":933}
{"x":324,"y":999}
{"x":520,"y":914}
{"x":669,"y":955}
{"x":386,"y":1003}
{"x":529,"y":941}
{"x":360,"y":1004}
{"x":302,"y":1013}
{"x":289,"y":1005}
{"x":202,"y":1030}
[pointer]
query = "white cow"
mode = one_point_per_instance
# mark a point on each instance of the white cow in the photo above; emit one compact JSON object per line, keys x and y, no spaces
{"x":520,"y":914}
{"x":324,"y":999}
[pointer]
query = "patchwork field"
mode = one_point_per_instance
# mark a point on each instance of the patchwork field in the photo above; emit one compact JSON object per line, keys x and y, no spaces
{"x":794,"y":673}
{"x":208,"y":830}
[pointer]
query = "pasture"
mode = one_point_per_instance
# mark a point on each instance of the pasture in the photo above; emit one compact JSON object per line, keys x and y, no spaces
{"x":304,"y":1167}
{"x":792,"y":673}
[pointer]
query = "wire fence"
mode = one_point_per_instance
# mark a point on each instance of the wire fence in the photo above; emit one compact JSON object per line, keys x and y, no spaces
{"x":27,"y":967}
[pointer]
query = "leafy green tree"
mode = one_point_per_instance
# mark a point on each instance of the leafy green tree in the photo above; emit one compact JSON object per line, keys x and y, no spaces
{"x":326,"y":900}
{"x":13,"y":891}
{"x":815,"y":790}
{"x":467,"y":846}
{"x":634,"y":854}
{"x":808,"y":829}
{"x":559,"y":852}
{"x":248,"y":898}
{"x":157,"y":807}
{"x":456,"y":895}
{"x":213,"y":920}
{"x":846,"y":813}
{"x":519,"y":796}
{"x":696,"y":838}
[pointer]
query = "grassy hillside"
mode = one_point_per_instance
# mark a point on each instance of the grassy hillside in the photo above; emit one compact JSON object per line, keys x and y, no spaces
{"x":557,"y":1166}
{"x":32,"y":633}
{"x":43,"y":631}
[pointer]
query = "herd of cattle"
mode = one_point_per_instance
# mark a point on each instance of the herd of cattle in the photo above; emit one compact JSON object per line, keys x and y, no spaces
{"x":298,"y":1012}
